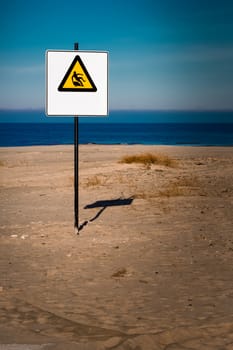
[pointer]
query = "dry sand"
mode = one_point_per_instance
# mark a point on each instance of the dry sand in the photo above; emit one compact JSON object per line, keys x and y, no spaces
{"x":152,"y":270}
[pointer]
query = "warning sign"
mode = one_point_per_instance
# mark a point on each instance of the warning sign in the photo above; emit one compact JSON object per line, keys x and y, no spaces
{"x":76,"y":83}
{"x":77,"y":78}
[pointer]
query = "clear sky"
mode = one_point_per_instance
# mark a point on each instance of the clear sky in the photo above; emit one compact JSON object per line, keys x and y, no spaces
{"x":164,"y":54}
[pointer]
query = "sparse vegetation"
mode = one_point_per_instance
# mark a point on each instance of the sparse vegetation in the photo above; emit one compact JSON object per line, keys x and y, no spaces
{"x":2,"y":163}
{"x":120,"y":273}
{"x":172,"y":190}
{"x":145,"y":195}
{"x":181,"y":187}
{"x":149,"y":159}
{"x":191,"y":181}
{"x":96,"y":180}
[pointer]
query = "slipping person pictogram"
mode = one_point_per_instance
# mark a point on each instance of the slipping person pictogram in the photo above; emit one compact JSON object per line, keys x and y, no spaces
{"x":77,"y":80}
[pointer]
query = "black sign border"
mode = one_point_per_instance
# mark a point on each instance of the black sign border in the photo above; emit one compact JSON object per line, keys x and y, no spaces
{"x":61,"y":86}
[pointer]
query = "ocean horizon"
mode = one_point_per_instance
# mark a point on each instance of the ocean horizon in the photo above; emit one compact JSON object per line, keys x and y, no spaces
{"x":178,"y":128}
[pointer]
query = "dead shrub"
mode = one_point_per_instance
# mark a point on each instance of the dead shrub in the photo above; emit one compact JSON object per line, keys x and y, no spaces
{"x":148,"y":159}
{"x":95,"y":180}
{"x":120,"y":273}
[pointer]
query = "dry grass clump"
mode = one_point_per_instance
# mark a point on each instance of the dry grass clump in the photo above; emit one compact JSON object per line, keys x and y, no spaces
{"x":149,"y":159}
{"x":96,"y":180}
{"x":120,"y":273}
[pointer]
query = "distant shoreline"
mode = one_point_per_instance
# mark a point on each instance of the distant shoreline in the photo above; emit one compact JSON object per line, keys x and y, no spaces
{"x":119,"y":144}
{"x":126,"y":146}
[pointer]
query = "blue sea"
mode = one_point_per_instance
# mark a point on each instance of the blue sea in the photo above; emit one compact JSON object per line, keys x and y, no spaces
{"x":139,"y":128}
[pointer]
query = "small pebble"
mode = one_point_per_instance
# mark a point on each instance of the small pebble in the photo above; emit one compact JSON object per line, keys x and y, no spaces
{"x":24,"y":236}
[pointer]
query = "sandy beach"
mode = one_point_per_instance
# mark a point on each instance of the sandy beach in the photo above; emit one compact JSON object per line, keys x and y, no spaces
{"x":151,"y":267}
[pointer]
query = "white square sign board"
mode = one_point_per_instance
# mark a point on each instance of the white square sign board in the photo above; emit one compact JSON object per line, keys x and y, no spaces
{"x":76,"y":83}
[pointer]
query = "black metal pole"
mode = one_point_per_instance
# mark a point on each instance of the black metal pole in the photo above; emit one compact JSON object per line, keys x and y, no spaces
{"x":76,"y":168}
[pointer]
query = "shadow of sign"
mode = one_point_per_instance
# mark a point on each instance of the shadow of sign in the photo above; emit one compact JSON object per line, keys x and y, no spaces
{"x":103,"y":204}
{"x":110,"y":203}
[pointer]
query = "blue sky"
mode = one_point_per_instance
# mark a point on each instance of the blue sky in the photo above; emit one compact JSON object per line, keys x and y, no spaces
{"x":170,"y":54}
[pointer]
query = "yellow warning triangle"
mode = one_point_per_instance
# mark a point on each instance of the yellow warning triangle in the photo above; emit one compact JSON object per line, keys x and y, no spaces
{"x":77,"y":78}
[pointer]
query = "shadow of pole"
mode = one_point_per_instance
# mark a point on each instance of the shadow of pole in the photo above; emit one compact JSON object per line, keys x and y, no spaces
{"x":103,"y":205}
